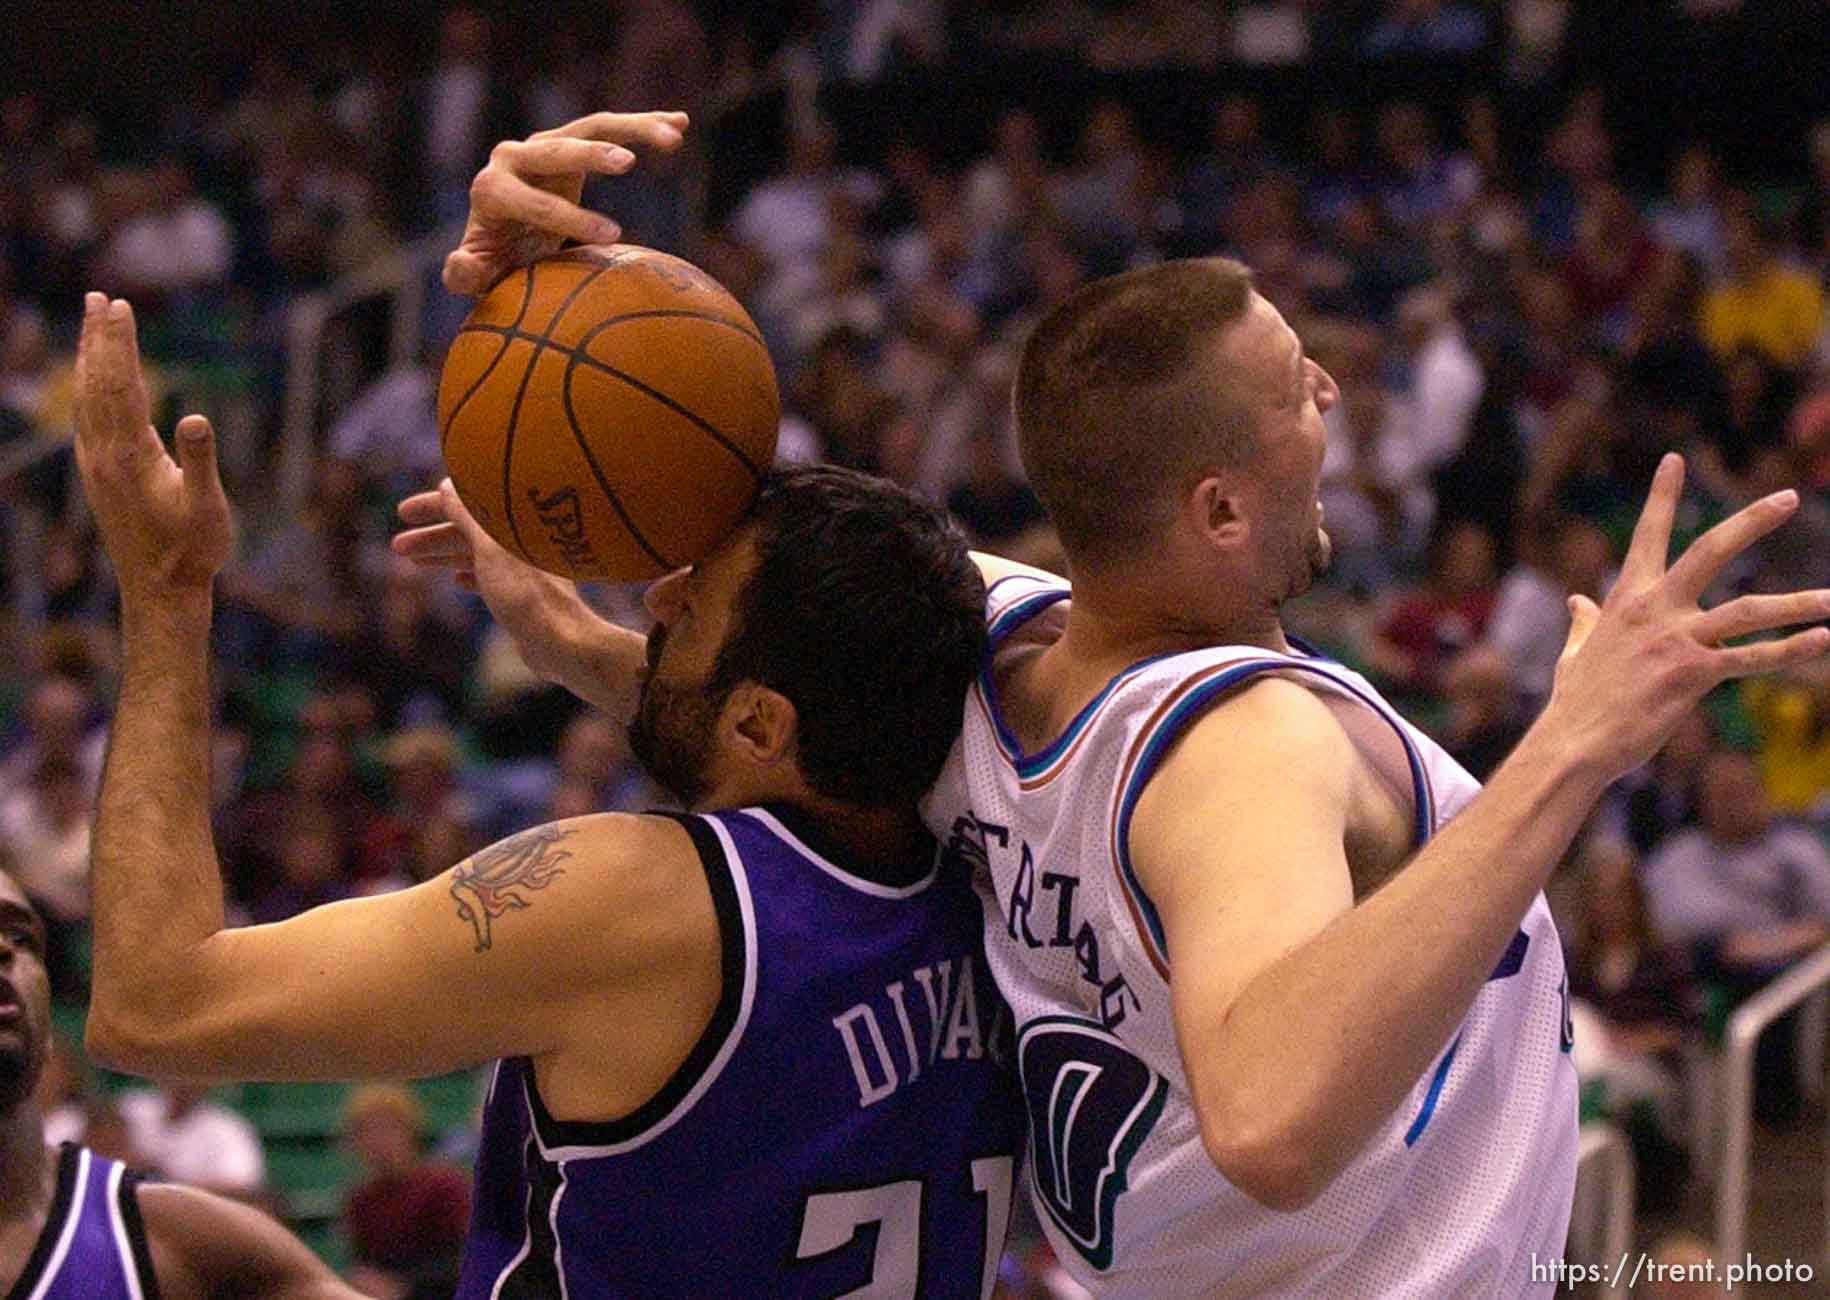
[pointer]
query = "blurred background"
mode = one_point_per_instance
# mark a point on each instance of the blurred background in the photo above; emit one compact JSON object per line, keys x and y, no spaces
{"x":1538,"y":243}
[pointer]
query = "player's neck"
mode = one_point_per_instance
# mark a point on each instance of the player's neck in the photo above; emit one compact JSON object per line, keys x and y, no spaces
{"x":1114,"y":621}
{"x":25,"y":1181}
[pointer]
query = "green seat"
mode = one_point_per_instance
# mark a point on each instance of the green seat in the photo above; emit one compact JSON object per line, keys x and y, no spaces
{"x":450,"y":1100}
{"x":295,"y":1110}
{"x":326,"y":1239}
{"x":312,"y":1174}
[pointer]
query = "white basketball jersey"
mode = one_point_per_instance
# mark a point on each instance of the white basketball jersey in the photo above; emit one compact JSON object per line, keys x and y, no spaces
{"x":1470,"y":1178}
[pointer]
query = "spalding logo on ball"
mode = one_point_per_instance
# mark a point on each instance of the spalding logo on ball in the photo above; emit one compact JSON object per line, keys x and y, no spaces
{"x":607,"y":413}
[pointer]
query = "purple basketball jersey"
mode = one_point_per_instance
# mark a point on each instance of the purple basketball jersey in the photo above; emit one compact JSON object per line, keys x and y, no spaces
{"x":93,"y":1246}
{"x":846,"y":1126}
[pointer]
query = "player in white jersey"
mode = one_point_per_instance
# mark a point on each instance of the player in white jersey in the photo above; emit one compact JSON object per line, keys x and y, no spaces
{"x":1455,"y":1190}
{"x":1290,"y":1006}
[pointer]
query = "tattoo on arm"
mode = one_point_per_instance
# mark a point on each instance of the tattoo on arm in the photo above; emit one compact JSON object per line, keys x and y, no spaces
{"x":497,"y":880}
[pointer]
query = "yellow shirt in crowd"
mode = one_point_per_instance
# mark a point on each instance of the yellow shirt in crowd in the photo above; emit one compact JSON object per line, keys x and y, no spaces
{"x":1779,"y":311}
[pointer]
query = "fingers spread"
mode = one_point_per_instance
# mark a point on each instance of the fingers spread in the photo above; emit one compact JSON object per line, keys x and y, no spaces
{"x":1583,"y":615}
{"x":1645,"y":562}
{"x":1749,"y":614}
{"x":1771,"y":656}
{"x":1697,"y":568}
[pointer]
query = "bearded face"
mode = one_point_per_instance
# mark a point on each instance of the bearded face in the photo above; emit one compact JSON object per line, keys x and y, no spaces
{"x":674,"y":726}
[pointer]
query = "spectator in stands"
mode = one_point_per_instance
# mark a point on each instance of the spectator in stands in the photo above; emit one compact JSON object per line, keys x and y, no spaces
{"x":1485,"y":716}
{"x":414,"y":652}
{"x":1662,"y":797}
{"x":1530,"y":623}
{"x":302,"y":594}
{"x":46,"y":833}
{"x":313,"y":855}
{"x":1425,"y":28}
{"x":406,"y":1219}
{"x":1791,"y":717}
{"x":1634,"y":1000}
{"x":1431,"y":624}
{"x":1614,"y":252}
{"x":449,"y":121}
{"x":172,"y":243}
{"x":1004,"y":188}
{"x":1689,"y":219}
{"x":61,"y":716}
{"x":1749,"y":895}
{"x":180,"y":1133}
{"x":1431,"y":413}
{"x":1763,"y":300}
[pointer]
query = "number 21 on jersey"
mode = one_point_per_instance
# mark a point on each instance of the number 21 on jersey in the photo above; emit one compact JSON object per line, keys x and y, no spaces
{"x":832,"y":1220}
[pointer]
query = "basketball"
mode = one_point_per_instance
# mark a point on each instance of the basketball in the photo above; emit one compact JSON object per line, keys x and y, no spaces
{"x":607,"y":413}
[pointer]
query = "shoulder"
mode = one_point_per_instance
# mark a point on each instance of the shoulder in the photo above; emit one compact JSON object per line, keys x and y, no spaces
{"x":638,"y":878}
{"x":202,"y":1244}
{"x":1265,"y":743}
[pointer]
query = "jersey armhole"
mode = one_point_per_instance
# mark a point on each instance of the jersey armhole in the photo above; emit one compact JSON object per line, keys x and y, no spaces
{"x":57,"y":1220}
{"x":1177,"y":712}
{"x":134,"y":1224}
{"x":566,"y":1139}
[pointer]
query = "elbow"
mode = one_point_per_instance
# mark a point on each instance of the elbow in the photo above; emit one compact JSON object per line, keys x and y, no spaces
{"x":123,"y":1041}
{"x":149,"y":1025}
{"x":1274,"y":1163}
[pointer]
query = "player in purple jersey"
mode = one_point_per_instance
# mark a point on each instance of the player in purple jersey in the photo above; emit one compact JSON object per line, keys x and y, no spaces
{"x":742,"y":1052}
{"x":76,"y":1226}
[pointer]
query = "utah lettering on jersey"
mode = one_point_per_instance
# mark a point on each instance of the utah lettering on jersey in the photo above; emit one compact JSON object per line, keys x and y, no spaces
{"x":935,"y":1014}
{"x":1041,"y":899}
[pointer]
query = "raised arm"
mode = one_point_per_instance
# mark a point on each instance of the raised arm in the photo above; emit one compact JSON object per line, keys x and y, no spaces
{"x":1304,"y":1019}
{"x":604,"y":915}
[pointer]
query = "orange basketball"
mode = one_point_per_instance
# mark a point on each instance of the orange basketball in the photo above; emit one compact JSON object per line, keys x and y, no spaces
{"x":607,"y":412}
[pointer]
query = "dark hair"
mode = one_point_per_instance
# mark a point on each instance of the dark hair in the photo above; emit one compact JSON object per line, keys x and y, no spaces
{"x":1111,"y":407}
{"x":866,"y":611}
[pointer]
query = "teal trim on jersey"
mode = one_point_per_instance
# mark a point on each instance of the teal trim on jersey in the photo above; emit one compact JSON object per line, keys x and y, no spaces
{"x":1019,"y":613}
{"x":1197,"y":700}
{"x":1113,"y":1180}
{"x":1431,"y":1097}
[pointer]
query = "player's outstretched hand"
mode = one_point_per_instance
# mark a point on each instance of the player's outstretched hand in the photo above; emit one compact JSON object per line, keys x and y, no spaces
{"x":524,"y":203}
{"x":541,"y":611}
{"x":1638,"y":662}
{"x":165,"y":523}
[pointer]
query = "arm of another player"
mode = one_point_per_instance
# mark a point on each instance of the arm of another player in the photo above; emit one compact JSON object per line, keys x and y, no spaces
{"x":524,"y":203}
{"x":1303,"y":1021}
{"x":204,"y":1245}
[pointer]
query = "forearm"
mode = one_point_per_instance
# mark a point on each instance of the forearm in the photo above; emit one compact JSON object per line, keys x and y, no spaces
{"x":598,"y":661}
{"x":157,"y":890}
{"x":1346,"y":1023}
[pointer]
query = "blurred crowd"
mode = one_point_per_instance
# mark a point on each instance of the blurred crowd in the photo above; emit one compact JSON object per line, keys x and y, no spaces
{"x":1520,"y":324}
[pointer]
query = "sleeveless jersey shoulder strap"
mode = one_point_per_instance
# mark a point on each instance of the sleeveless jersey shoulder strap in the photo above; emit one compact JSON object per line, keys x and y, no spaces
{"x":47,"y":1257}
{"x":725,"y":876}
{"x":1202,"y":679}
